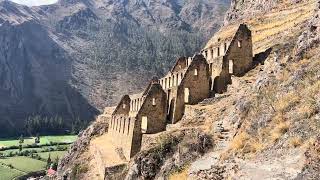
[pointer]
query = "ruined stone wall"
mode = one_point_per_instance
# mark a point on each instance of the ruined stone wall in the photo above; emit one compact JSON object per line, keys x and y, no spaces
{"x":181,"y":63}
{"x":240,"y":52}
{"x":194,"y":86}
{"x":135,"y":104}
{"x":123,"y":107}
{"x":122,"y":131}
{"x":153,"y":111}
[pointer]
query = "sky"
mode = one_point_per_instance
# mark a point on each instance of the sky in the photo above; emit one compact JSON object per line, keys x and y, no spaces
{"x":34,"y":2}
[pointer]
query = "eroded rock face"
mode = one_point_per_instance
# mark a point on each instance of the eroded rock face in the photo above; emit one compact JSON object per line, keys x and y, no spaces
{"x":242,"y":9}
{"x":175,"y":151}
{"x":312,"y":167}
{"x":311,"y":36}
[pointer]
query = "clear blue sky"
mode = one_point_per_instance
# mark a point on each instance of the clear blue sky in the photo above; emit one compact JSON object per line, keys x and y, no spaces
{"x":34,"y":2}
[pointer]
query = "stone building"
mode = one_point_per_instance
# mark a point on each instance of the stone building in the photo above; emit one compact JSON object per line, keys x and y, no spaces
{"x":186,"y":83}
{"x":228,"y":53}
{"x":138,"y":114}
{"x":190,"y":81}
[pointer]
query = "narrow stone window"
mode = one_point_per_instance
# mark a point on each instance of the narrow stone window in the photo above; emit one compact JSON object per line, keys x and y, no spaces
{"x":120,"y":125}
{"x":173,"y":81}
{"x":218,"y":51}
{"x":165,"y":83}
{"x":231,"y":66}
{"x":154,"y":101}
{"x":169,"y":82}
{"x":117,"y":123}
{"x":186,"y":95}
{"x":177,"y":80}
{"x":128,"y":126}
{"x":206,"y":54}
{"x":196,"y":72}
{"x":111,"y":123}
{"x":225,"y":47}
{"x":239,"y":43}
{"x":144,"y":124}
{"x":212,"y":53}
{"x":123,"y":106}
{"x":124,"y":126}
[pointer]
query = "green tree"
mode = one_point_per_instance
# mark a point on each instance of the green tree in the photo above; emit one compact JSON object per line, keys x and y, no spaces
{"x":49,"y":161}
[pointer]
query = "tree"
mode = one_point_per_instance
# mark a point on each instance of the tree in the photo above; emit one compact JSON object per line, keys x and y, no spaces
{"x":49,"y":161}
{"x":55,"y":163}
{"x":37,"y":139}
{"x":20,"y":147}
{"x":21,"y":139}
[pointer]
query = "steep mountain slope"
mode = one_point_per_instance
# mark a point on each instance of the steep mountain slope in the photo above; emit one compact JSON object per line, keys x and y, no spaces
{"x":34,"y":73}
{"x":266,"y":126}
{"x":71,"y":58}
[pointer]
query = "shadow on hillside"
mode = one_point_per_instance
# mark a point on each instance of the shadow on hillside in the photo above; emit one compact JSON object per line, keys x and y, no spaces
{"x":261,"y":57}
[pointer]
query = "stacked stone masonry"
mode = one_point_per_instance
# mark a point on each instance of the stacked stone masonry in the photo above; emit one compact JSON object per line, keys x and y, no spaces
{"x":191,"y":80}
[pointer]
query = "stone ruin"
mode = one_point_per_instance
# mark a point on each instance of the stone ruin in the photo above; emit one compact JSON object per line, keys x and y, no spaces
{"x":190,"y":81}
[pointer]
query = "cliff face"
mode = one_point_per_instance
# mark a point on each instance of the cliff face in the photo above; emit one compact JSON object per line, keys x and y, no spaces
{"x":72,"y":58}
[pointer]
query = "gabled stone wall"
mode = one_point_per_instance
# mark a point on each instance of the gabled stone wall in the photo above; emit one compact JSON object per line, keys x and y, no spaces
{"x":194,"y":86}
{"x":240,"y":51}
{"x":229,"y":56}
{"x":123,"y":107}
{"x":126,"y":124}
{"x":154,"y":110}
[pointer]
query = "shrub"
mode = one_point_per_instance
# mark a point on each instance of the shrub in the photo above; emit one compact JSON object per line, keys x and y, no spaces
{"x":239,"y":141}
{"x":279,"y":130}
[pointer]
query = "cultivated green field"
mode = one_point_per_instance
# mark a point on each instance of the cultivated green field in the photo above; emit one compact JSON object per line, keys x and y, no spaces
{"x":13,"y":164}
{"x":43,"y":140}
{"x":38,"y":150}
{"x":24,"y":164}
{"x":53,"y":155}
{"x":7,"y":173}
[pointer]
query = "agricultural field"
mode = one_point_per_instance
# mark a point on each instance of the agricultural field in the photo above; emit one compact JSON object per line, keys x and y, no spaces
{"x":24,"y":164}
{"x":32,"y":157}
{"x":9,"y":173}
{"x":43,"y":140}
{"x":53,"y":155}
{"x":38,"y":150}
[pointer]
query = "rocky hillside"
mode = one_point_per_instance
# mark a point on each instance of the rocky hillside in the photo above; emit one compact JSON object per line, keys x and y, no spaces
{"x":266,"y":126}
{"x":72,"y":58}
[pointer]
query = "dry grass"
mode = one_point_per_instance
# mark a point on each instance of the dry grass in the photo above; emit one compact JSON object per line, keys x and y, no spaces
{"x":287,"y":101}
{"x":181,"y":174}
{"x":278,"y":131}
{"x":239,"y":141}
{"x":295,"y":142}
